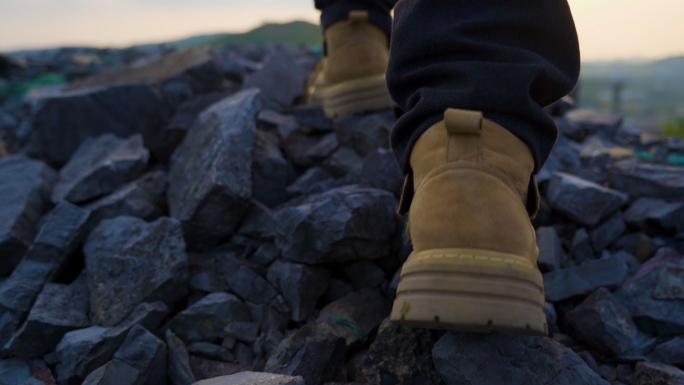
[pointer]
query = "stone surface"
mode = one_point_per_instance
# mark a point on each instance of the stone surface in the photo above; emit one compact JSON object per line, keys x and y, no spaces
{"x":670,"y":283}
{"x":607,"y":232}
{"x":364,"y":273}
{"x":483,"y":359}
{"x":269,"y":170}
{"x":207,"y":319}
{"x":581,"y":249}
{"x":130,"y":262}
{"x":604,"y":324}
{"x":212,"y":351}
{"x":259,"y":223}
{"x":343,"y":224}
{"x":115,"y":372}
{"x":581,"y":280}
{"x":17,"y":372}
{"x":550,"y":249}
{"x":25,"y":187}
{"x":99,"y":166}
{"x":655,"y":215}
{"x":178,"y":364}
{"x":582,"y":201}
{"x":253,"y":378}
{"x":300,"y":285}
{"x":206,"y":368}
{"x":312,"y":117}
{"x":658,"y":374}
{"x":281,"y":80}
{"x":647,"y":180}
{"x":243,"y":331}
{"x":365,"y":133}
{"x":146,"y":353}
{"x":379,"y":170}
{"x":669,"y":352}
{"x":210,"y":178}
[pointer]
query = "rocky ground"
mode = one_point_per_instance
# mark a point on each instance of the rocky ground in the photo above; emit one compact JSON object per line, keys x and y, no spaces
{"x":177,"y":218}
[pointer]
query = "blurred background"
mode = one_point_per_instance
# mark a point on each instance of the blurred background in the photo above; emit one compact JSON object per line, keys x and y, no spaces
{"x":632,"y":50}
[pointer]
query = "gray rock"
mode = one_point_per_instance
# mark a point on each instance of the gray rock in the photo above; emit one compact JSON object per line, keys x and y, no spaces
{"x":582,"y":201}
{"x":211,"y":351}
{"x":265,"y":254}
{"x":607,"y":232}
{"x":363,"y":274}
{"x":284,"y":125}
{"x":207,"y":319}
{"x":314,"y":181}
{"x":365,"y":133}
{"x":259,"y":223}
{"x":312,"y":117}
{"x":17,"y":372}
{"x":581,"y":249}
{"x":99,"y":166}
{"x":308,"y":149}
{"x":245,"y":355}
{"x":638,"y":244}
{"x":483,"y":359}
{"x":670,"y":283}
{"x":313,"y":352}
{"x":342,"y":224}
{"x":253,"y":378}
{"x":379,"y":170}
{"x":281,"y":80}
{"x":655,"y":215}
{"x":669,"y":352}
{"x":205,"y":368}
{"x":25,"y":187}
{"x":647,"y":180}
{"x":650,"y":373}
{"x":342,"y":161}
{"x":399,"y":355}
{"x":550,"y":249}
{"x":249,"y":285}
{"x":243,"y":331}
{"x":300,"y":285}
{"x":267,"y":317}
{"x":146,"y":353}
{"x":584,"y":279}
{"x":652,"y":315}
{"x":210,"y":177}
{"x":604,"y":324}
{"x":355,"y":316}
{"x":130,"y":262}
{"x":269,"y":171}
{"x":178,"y":364}
{"x":114,"y":372}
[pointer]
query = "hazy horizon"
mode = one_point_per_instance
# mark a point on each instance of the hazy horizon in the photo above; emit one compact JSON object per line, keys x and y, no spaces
{"x":609,"y":30}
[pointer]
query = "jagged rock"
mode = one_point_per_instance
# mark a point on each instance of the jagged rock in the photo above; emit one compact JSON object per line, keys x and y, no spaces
{"x":178,"y":364}
{"x":300,"y":285}
{"x":281,"y":80}
{"x":146,"y":353}
{"x":253,"y":378}
{"x":365,"y":133}
{"x":663,"y":317}
{"x":637,"y":244}
{"x":284,"y":125}
{"x":99,"y":166}
{"x":550,"y":249}
{"x":655,"y":215}
{"x":581,"y":249}
{"x":582,"y":201}
{"x":313,"y":352}
{"x":669,"y":352}
{"x":307,"y":149}
{"x":267,"y":317}
{"x":25,"y":187}
{"x":312,"y":117}
{"x":399,"y":355}
{"x":92,"y":106}
{"x":647,"y":180}
{"x":314,"y":181}
{"x":379,"y":170}
{"x":651,"y":373}
{"x":581,"y":280}
{"x":59,"y":236}
{"x":114,"y":372}
{"x":265,"y":254}
{"x":342,"y":161}
{"x":243,"y":331}
{"x":603,"y":323}
{"x":211,"y":351}
{"x":207,"y":319}
{"x":259,"y":223}
{"x":483,"y":359}
{"x":269,"y":170}
{"x":16,"y":372}
{"x":58,"y":309}
{"x":670,"y":283}
{"x":355,"y":316}
{"x":141,"y":198}
{"x":205,"y":368}
{"x":607,"y":232}
{"x":249,"y":285}
{"x":344,"y":224}
{"x":245,"y":355}
{"x":363,"y":274}
{"x":210,"y":177}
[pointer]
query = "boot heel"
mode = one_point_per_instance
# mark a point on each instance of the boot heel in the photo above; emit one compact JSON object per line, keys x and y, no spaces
{"x":471,"y":290}
{"x":360,"y":95}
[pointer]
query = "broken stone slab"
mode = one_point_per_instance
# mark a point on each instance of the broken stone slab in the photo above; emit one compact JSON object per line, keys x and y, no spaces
{"x":254,"y":378}
{"x":582,"y":201}
{"x":315,"y":180}
{"x":604,"y":324}
{"x":146,"y":353}
{"x":269,"y":170}
{"x":210,"y":177}
{"x":314,"y":352}
{"x":607,"y":232}
{"x":669,"y":352}
{"x":401,"y":354}
{"x":130,"y":262}
{"x":355,"y":316}
{"x":663,"y":317}
{"x":364,"y":274}
{"x":306,"y":150}
{"x":99,"y":166}
{"x":281,"y":80}
{"x":206,"y":320}
{"x":647,"y":180}
{"x":583,"y":279}
{"x":492,"y":359}
{"x":655,"y":216}
{"x":300,"y":285}
{"x":249,"y":285}
{"x":205,"y":368}
{"x":114,"y":372}
{"x":365,"y":133}
{"x":178,"y":365}
{"x":651,"y":373}
{"x":638,"y":244}
{"x":266,"y":254}
{"x":581,"y":249}
{"x":670,"y":283}
{"x":343,"y":224}
{"x":25,"y":188}
{"x":312,"y":117}
{"x":18,"y":372}
{"x":259,"y":223}
{"x":550,"y":249}
{"x":379,"y":170}
{"x":342,"y":161}
{"x":267,"y":317}
{"x":211,"y":351}
{"x":243,"y":331}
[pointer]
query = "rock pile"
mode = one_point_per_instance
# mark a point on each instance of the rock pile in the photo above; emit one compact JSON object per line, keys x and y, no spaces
{"x":184,"y":221}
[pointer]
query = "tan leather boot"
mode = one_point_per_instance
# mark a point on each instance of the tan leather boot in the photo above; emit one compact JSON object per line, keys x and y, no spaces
{"x":351,"y":79}
{"x":474,"y":260}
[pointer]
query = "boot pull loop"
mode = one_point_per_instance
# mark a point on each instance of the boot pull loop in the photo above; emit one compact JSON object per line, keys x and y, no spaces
{"x":358,"y":17}
{"x":464,"y":128}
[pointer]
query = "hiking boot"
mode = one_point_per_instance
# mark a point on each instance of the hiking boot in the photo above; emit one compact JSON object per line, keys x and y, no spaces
{"x":351,"y":78}
{"x":474,"y":260}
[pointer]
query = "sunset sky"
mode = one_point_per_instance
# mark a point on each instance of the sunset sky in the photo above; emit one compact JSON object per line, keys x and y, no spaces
{"x":608,"y":29}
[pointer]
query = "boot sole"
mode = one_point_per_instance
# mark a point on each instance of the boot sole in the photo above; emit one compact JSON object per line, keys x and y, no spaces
{"x":355,"y":96}
{"x":471,"y":290}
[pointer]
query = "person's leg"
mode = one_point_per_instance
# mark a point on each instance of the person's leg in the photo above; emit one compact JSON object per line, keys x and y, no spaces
{"x":473,"y":78}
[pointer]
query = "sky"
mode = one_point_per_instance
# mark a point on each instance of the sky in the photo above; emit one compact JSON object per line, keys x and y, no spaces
{"x":608,"y":29}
